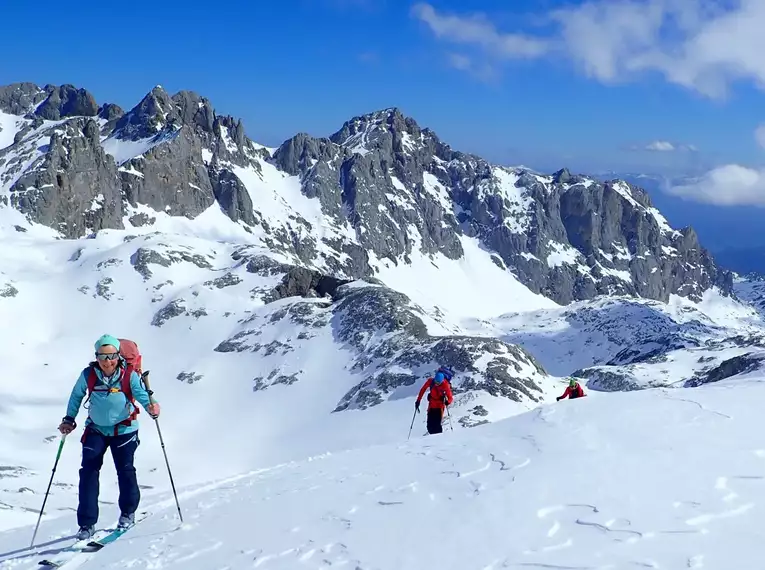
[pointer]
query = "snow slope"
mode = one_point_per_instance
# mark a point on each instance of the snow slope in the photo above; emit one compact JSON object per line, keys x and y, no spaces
{"x":622,"y":330}
{"x":650,"y":479}
{"x":59,"y":295}
{"x":9,"y":126}
{"x":177,"y":288}
{"x":472,"y":286}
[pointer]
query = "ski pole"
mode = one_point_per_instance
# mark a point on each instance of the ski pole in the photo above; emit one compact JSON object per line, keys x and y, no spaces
{"x":55,"y":464}
{"x":145,"y":380}
{"x":412,"y":425}
{"x":451,"y":427}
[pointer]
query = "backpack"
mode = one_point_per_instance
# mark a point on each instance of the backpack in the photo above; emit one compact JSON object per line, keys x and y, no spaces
{"x":447,"y":371}
{"x":132,"y":355}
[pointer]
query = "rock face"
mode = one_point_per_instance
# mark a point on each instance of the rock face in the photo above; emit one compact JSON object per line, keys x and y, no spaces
{"x":742,"y":364}
{"x":389,"y":345}
{"x":380,"y":188}
{"x":73,"y":187}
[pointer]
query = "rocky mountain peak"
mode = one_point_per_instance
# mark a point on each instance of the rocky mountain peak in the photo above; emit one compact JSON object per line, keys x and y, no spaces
{"x":20,"y":98}
{"x":195,"y":110}
{"x":51,"y":102}
{"x":387,"y":130}
{"x":562,"y":176}
{"x":155,"y":113}
{"x":66,"y":101}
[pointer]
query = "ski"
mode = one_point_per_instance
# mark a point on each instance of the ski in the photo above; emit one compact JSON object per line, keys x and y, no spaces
{"x":90,"y":546}
{"x":65,"y":554}
{"x":96,"y":545}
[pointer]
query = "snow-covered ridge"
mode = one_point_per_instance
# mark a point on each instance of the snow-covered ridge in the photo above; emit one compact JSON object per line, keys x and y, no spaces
{"x":384,"y":189}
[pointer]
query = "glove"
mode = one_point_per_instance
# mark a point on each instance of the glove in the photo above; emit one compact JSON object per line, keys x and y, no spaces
{"x":67,"y":425}
{"x":557,"y":399}
{"x":153,"y":410}
{"x":446,"y":400}
{"x":417,"y":406}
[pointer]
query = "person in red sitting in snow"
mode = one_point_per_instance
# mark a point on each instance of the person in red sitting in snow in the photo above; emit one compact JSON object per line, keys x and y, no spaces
{"x":573,"y":390}
{"x":439,"y":397}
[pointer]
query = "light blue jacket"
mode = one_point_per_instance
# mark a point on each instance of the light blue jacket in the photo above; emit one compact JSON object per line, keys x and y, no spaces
{"x":107,"y":409}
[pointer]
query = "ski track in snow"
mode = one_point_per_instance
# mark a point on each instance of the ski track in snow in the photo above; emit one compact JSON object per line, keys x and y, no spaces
{"x":633,"y":480}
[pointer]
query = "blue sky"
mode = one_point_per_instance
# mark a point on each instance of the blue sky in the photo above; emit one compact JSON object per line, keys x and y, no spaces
{"x":585,"y":88}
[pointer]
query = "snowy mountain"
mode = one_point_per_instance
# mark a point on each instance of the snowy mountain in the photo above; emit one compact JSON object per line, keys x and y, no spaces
{"x":653,"y":479}
{"x":290,"y":301}
{"x":379,"y":243}
{"x":731,"y":233}
{"x":379,"y":192}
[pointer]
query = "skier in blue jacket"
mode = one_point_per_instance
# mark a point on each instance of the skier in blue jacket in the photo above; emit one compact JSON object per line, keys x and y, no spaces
{"x":111,"y":424}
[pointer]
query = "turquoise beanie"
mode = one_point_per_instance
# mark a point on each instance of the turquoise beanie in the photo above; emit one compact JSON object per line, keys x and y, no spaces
{"x":107,"y":339}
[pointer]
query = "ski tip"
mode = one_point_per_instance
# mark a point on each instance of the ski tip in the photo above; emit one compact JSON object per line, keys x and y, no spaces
{"x":48,"y":563}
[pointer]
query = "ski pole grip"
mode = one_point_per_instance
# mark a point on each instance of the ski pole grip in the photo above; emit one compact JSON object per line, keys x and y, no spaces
{"x":145,"y":380}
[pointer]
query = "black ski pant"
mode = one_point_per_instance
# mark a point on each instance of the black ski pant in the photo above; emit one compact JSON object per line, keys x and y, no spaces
{"x":435,"y":415}
{"x":94,"y":446}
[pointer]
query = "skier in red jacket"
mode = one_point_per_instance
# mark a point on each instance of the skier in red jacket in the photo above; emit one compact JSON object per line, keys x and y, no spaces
{"x":573,"y":390}
{"x":439,"y":397}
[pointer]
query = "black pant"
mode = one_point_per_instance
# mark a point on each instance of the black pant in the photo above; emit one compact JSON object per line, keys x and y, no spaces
{"x":435,"y":415}
{"x":94,"y":446}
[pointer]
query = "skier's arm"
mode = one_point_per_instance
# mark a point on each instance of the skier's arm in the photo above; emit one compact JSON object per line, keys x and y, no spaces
{"x":75,"y":398}
{"x":422,"y":390}
{"x":565,"y":394}
{"x":139,"y":392}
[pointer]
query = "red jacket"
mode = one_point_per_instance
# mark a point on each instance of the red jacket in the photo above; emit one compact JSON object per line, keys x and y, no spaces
{"x":437,"y":393}
{"x":576,"y":392}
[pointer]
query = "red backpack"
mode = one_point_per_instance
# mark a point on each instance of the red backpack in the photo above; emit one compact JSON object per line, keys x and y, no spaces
{"x":132,"y":355}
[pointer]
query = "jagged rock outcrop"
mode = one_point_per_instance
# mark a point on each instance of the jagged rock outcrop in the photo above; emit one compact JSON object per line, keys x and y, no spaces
{"x":73,"y":187}
{"x":380,"y":188}
{"x":66,"y":101}
{"x":741,"y":364}
{"x":389,"y":343}
{"x":20,"y":98}
{"x":383,"y":326}
{"x":299,"y":281}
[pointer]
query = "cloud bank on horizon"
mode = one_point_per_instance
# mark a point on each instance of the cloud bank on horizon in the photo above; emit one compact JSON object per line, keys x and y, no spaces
{"x":704,"y":46}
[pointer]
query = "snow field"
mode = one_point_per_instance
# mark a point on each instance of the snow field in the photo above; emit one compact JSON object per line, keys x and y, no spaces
{"x":653,"y":479}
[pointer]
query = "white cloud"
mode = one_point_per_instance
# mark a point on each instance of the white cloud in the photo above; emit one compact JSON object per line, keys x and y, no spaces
{"x":478,"y":30}
{"x":480,"y":70}
{"x":662,"y":146}
{"x":703,"y":45}
{"x":727,"y":185}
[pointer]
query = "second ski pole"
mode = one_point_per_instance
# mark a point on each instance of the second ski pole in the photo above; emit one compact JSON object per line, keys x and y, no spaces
{"x":47,"y":491}
{"x":416,"y":409}
{"x":145,"y":380}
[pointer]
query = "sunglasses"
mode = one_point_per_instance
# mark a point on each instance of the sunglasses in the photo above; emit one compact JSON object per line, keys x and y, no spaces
{"x":107,"y":356}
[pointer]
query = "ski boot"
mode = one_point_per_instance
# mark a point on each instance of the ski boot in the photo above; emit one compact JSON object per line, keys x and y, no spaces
{"x":86,"y":532}
{"x":126,"y":521}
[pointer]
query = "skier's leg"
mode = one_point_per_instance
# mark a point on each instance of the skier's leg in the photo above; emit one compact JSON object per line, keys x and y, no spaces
{"x":434,"y":420}
{"x":123,"y":451}
{"x":94,"y":446}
